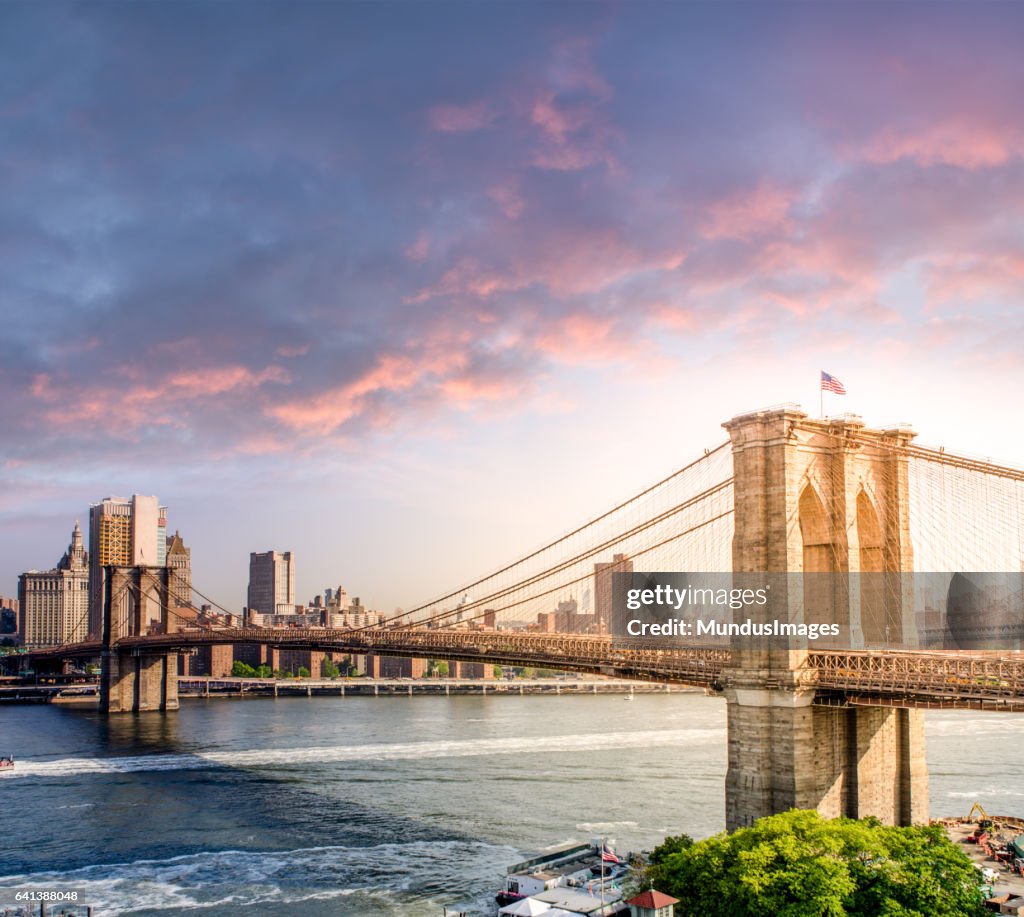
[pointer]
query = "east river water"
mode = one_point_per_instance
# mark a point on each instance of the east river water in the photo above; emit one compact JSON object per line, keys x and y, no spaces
{"x":384,"y":806}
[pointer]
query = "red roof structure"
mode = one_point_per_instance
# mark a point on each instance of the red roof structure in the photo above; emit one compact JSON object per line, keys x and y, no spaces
{"x":653,"y":900}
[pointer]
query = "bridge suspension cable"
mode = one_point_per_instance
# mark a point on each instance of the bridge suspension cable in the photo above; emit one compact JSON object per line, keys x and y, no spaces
{"x":707,"y":478}
{"x":966,"y":513}
{"x":681,"y":522}
{"x":646,"y":492}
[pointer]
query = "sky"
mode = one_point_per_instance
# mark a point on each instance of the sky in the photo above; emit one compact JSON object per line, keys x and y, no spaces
{"x":411,"y":288}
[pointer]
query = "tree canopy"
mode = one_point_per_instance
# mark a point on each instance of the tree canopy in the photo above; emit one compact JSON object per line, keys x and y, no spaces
{"x":799,"y":864}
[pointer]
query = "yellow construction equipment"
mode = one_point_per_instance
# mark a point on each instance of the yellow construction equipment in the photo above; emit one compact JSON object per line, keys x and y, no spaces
{"x":982,"y":814}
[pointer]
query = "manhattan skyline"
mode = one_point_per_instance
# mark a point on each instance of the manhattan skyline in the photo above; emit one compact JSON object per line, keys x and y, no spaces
{"x":408,"y":289}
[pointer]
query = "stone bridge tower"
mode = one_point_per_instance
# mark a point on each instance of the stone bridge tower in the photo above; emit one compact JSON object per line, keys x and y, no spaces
{"x":830,"y":498}
{"x":135,"y":603}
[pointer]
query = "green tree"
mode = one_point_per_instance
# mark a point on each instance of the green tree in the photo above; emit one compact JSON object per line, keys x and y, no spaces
{"x":669,"y":846}
{"x":798,"y":864}
{"x":264,"y":671}
{"x":642,"y":872}
{"x":328,"y":669}
{"x":242,"y":670}
{"x":498,"y":672}
{"x":303,"y":672}
{"x":442,"y":669}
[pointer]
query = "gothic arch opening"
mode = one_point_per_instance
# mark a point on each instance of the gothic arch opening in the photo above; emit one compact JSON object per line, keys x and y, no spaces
{"x":873,"y":618}
{"x":819,"y":563}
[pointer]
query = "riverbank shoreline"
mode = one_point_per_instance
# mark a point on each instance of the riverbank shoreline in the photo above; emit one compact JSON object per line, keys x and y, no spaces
{"x":207,"y":687}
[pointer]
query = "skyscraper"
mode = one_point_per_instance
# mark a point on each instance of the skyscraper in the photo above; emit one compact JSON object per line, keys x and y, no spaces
{"x":179,"y":561}
{"x":124,"y":533}
{"x":54,"y":604}
{"x":271,"y":581}
{"x":603,"y":572}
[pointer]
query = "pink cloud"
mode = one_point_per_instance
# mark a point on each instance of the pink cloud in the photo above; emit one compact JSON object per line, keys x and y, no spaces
{"x":556,"y":122}
{"x":42,"y":387}
{"x":419,"y":248}
{"x":571,"y":68}
{"x":573,"y":158}
{"x":569,"y":114}
{"x":676,"y":318}
{"x":508,"y":197}
{"x":135,"y":404}
{"x":747,"y":214}
{"x":460,"y":119}
{"x":584,"y":262}
{"x":218,"y":380}
{"x":966,"y":277}
{"x":468,"y":390}
{"x":390,"y":374}
{"x":573,"y":135}
{"x":292,"y":350}
{"x":261,"y":442}
{"x":954,"y":142}
{"x":591,"y":339}
{"x":580,"y":337}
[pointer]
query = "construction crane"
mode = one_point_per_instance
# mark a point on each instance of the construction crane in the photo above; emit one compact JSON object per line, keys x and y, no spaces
{"x":984,"y":820}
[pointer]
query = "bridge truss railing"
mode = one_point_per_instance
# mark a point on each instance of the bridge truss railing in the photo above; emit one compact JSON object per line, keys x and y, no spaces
{"x":699,"y":666}
{"x":992,"y":677}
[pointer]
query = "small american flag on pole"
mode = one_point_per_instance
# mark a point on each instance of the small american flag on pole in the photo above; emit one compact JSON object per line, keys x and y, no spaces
{"x":608,"y":856}
{"x":831,"y":384}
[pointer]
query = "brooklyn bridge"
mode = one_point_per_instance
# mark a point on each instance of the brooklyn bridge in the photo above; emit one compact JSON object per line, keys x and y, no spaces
{"x":834,"y":726}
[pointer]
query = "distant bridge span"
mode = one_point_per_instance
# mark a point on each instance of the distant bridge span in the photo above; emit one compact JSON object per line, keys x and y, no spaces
{"x":990,"y":681}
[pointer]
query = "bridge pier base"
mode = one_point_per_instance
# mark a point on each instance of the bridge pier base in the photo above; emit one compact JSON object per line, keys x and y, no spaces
{"x":785,"y":752}
{"x":138,"y":683}
{"x":135,"y":602}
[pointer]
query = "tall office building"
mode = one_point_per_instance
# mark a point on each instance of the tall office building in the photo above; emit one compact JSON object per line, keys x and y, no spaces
{"x":179,"y":561}
{"x":8,"y":617}
{"x":54,"y":604}
{"x":271,"y":581}
{"x":620,"y":563}
{"x":124,"y":533}
{"x":567,"y":615}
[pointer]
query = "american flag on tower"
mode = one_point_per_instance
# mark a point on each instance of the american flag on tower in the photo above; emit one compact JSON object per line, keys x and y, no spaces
{"x":831,"y":384}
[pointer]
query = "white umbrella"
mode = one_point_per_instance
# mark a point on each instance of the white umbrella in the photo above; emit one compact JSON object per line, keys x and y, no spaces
{"x":526,"y":907}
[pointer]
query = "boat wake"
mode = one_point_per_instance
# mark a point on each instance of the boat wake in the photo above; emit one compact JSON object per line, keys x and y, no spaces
{"x":302,"y":757}
{"x":385,"y":879}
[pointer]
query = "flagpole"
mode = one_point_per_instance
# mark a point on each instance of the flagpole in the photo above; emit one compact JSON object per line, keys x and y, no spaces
{"x":603,"y":845}
{"x":821,"y":397}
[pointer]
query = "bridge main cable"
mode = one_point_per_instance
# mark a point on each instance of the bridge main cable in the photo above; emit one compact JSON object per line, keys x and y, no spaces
{"x":582,"y":528}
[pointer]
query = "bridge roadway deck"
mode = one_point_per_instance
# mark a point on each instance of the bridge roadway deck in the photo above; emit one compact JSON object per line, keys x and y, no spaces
{"x":892,"y":678}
